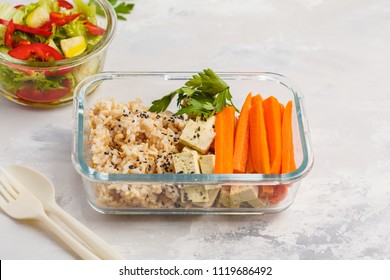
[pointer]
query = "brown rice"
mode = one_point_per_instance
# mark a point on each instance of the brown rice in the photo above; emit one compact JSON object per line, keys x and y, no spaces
{"x":125,"y":138}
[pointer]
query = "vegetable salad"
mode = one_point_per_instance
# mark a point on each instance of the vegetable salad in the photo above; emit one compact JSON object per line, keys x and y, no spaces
{"x":46,"y":32}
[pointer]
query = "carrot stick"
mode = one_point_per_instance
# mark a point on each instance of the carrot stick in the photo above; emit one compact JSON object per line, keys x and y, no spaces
{"x":273,"y":125}
{"x":280,"y":192}
{"x":224,"y":140}
{"x":241,"y":140}
{"x":249,"y":163}
{"x":258,"y":137}
{"x":266,"y":191}
{"x":288,"y":162}
{"x":281,"y":111}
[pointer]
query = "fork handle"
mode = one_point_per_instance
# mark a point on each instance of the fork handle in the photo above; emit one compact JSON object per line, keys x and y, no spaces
{"x":93,"y":241}
{"x":76,"y":246}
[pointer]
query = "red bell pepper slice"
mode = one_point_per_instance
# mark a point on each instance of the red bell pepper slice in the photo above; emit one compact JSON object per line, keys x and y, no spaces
{"x":18,"y":6}
{"x":65,"y":4}
{"x":8,"y":34}
{"x":94,"y":29}
{"x":28,"y":29}
{"x":58,"y":19}
{"x":35,"y":50}
{"x":16,"y":40}
{"x":33,"y":94}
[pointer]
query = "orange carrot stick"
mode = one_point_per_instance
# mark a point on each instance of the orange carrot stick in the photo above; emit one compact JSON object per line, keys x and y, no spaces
{"x":266,"y":191}
{"x":281,"y":111}
{"x":258,"y":137}
{"x":288,"y":162}
{"x":241,"y":140}
{"x":249,"y":163}
{"x":273,"y":125}
{"x":279,"y":193}
{"x":224,"y":140}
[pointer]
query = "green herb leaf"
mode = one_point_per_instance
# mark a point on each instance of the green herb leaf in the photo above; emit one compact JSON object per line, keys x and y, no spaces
{"x":162,"y":104}
{"x":121,"y":9}
{"x":203,"y":95}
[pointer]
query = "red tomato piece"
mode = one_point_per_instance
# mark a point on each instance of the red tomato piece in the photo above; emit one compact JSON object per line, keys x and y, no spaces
{"x":94,"y":29}
{"x":38,"y":51}
{"x":33,"y":94}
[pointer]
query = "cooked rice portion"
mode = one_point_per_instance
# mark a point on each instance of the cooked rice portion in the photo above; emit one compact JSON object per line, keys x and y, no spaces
{"x":125,"y":138}
{"x":124,"y":195}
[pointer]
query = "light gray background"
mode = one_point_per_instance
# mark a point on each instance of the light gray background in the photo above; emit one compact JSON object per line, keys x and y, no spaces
{"x":336,"y":51}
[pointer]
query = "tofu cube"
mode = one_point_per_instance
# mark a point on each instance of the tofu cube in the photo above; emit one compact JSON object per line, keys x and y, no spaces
{"x":225,"y":199}
{"x":207,"y":163}
{"x":240,"y":194}
{"x":198,"y":134}
{"x":213,"y":193}
{"x":187,"y":149}
{"x":194,"y":193}
{"x":258,"y":202}
{"x":186,"y":162}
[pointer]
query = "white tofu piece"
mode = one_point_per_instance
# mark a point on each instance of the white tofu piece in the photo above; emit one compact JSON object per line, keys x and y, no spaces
{"x":213,"y":193}
{"x":194,"y":194}
{"x":258,"y":202}
{"x":225,"y":199}
{"x":187,"y":149}
{"x":240,"y":194}
{"x":198,"y":135}
{"x":186,"y":162}
{"x":207,"y":164}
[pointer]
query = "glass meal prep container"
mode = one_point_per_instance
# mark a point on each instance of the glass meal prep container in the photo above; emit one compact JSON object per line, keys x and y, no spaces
{"x":113,"y":193}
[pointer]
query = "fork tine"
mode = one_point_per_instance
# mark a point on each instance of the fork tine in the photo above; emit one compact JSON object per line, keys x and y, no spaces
{"x":9,"y":184}
{"x":13,"y":183}
{"x":3,"y":190}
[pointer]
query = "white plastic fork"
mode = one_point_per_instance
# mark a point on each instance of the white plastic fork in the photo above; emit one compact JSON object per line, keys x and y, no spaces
{"x":22,"y":205}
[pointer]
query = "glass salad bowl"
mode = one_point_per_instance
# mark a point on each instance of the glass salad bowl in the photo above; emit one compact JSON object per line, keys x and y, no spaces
{"x":96,"y":153}
{"x":48,"y":46}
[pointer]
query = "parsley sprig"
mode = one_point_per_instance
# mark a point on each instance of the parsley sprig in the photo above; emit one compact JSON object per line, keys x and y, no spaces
{"x":121,"y":9}
{"x":203,"y":95}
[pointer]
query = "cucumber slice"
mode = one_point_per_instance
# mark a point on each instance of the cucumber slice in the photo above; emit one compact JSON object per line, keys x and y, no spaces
{"x":52,"y":44}
{"x":86,"y":69}
{"x":38,"y":16}
{"x":73,"y":46}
